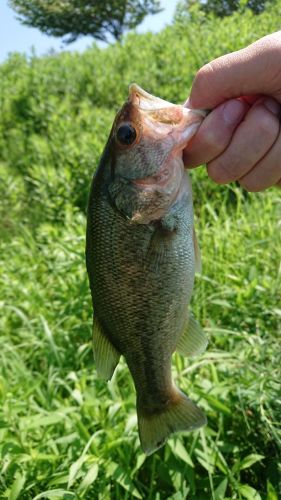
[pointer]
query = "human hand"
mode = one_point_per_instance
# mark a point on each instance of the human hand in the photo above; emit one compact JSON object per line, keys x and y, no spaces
{"x":241,"y":137}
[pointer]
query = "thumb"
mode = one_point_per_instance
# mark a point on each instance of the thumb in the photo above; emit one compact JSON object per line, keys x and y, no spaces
{"x":255,"y":69}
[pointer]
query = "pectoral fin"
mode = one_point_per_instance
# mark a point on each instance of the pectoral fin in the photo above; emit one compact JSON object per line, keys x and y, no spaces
{"x":193,"y":340}
{"x":106,"y":356}
{"x":159,"y":250}
{"x":197,"y":254}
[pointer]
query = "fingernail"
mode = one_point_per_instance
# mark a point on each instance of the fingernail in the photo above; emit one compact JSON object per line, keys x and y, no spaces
{"x":233,"y":111}
{"x":272,"y":105}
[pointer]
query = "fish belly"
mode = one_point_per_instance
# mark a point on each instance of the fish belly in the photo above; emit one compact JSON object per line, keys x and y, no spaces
{"x":140,"y":293}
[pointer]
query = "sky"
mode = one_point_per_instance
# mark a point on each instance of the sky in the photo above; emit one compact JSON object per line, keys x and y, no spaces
{"x":14,"y":37}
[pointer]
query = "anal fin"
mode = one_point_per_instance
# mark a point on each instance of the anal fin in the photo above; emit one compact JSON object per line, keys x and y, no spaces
{"x":193,"y":340}
{"x":105,"y":355}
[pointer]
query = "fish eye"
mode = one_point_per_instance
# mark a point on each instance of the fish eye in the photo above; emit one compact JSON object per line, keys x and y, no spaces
{"x":126,"y":134}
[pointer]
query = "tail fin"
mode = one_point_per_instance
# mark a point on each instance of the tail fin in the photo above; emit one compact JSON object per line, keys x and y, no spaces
{"x":181,"y":415}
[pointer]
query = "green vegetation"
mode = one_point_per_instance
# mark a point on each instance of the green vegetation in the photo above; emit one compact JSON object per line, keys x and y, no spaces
{"x":222,"y":8}
{"x":63,"y":432}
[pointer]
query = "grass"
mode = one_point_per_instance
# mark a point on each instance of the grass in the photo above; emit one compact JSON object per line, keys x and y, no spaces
{"x":66,"y":434}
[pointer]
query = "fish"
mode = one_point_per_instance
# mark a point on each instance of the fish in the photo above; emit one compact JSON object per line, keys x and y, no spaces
{"x":141,"y":258}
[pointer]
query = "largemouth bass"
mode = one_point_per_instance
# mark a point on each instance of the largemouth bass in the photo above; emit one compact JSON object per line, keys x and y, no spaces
{"x":141,"y":255}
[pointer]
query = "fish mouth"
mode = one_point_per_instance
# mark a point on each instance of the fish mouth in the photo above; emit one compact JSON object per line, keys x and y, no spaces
{"x":162,"y":120}
{"x":162,"y":111}
{"x":156,"y":110}
{"x":145,"y":101}
{"x":148,"y":102}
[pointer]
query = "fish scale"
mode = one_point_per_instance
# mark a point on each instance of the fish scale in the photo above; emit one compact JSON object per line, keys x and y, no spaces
{"x":141,"y":279}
